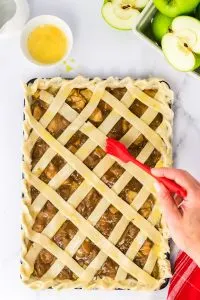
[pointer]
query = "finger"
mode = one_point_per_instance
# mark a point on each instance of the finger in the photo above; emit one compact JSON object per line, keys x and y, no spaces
{"x":178,"y":200}
{"x":179,"y":203}
{"x":185,"y":204}
{"x":169,"y":207}
{"x":183,"y":178}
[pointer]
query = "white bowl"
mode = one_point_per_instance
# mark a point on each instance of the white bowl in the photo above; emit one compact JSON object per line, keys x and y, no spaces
{"x":42,"y":20}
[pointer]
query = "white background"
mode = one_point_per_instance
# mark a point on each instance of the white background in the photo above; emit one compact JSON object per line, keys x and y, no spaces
{"x":99,"y":51}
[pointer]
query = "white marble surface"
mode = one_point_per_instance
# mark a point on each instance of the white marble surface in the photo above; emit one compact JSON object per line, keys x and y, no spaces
{"x":98,"y":50}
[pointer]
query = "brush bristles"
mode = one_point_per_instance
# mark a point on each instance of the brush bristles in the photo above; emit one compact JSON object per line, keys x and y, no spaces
{"x":117,"y":149}
{"x":109,"y":149}
{"x":114,"y":144}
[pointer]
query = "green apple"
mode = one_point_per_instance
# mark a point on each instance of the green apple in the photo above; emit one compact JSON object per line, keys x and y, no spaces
{"x":121,"y":14}
{"x":197,"y":12}
{"x":181,"y":46}
{"x":160,"y":25}
{"x":174,"y":8}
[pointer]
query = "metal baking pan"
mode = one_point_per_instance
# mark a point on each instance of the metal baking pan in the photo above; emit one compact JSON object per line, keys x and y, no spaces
{"x":31,"y":81}
{"x":143,"y":30}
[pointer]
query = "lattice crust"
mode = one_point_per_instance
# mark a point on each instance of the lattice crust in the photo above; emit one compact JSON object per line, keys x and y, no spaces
{"x":88,"y":219}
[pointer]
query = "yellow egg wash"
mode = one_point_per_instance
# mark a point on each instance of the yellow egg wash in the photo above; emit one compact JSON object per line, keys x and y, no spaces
{"x":47,"y":44}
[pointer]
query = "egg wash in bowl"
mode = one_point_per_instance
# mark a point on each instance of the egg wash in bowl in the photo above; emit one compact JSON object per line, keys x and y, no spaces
{"x":46,"y":40}
{"x":47,"y":44}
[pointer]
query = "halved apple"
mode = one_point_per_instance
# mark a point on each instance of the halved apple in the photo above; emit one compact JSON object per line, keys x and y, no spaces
{"x":181,"y":46}
{"x":188,"y":28}
{"x":121,"y":14}
{"x":140,"y":3}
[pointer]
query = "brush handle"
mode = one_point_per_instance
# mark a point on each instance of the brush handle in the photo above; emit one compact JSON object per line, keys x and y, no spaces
{"x":171,"y":185}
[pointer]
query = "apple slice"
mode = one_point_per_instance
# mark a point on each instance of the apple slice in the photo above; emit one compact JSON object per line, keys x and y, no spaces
{"x":121,"y":14}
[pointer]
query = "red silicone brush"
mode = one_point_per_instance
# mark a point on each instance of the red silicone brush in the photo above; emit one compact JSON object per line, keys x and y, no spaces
{"x":119,"y":150}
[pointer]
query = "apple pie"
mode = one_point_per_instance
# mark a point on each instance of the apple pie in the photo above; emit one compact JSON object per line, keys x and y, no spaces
{"x":90,"y":220}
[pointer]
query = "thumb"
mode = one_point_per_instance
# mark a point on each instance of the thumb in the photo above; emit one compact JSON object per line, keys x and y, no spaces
{"x":169,"y":207}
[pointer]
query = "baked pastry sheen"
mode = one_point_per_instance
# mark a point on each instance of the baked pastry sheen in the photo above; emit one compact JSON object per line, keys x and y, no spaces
{"x":88,"y":219}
